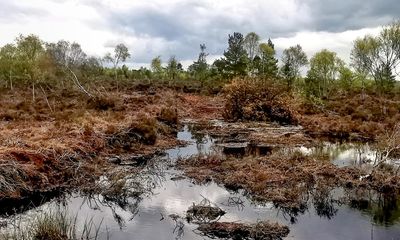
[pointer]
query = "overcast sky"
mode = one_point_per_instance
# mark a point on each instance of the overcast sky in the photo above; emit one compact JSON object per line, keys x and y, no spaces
{"x":177,"y":27}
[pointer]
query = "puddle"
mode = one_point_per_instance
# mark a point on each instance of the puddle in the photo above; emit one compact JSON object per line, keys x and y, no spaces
{"x":148,"y":217}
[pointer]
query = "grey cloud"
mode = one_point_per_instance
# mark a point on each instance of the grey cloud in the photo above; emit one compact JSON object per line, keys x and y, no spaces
{"x":11,"y":11}
{"x":338,"y":16}
{"x":185,"y":25}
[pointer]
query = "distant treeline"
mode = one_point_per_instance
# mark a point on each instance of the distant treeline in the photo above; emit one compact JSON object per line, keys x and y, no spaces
{"x":374,"y":61}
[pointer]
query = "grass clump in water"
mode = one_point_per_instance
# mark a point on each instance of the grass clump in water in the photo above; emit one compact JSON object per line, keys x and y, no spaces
{"x":51,"y":225}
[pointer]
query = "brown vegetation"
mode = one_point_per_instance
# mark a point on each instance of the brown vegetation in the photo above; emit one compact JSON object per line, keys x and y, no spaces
{"x":257,"y":100}
{"x":344,"y":115}
{"x":260,"y":230}
{"x":355,"y":116}
{"x":61,"y":138}
{"x":285,"y":178}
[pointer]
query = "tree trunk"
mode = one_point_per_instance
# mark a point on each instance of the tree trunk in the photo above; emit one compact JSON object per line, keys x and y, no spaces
{"x":33,"y":91}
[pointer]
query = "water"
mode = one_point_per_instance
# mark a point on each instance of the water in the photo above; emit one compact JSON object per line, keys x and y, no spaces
{"x":148,"y":218}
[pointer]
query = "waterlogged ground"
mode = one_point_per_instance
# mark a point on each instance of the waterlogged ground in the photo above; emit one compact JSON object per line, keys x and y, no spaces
{"x":149,"y":217}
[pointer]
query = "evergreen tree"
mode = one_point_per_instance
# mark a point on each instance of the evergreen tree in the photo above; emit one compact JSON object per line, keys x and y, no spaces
{"x":235,"y":58}
{"x":200,"y":67}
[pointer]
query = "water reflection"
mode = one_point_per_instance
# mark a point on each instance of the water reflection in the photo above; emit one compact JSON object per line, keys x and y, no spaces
{"x":350,"y":154}
{"x":158,"y":212}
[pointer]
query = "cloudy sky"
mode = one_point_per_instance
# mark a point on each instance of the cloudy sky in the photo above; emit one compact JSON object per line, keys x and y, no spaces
{"x":177,"y":27}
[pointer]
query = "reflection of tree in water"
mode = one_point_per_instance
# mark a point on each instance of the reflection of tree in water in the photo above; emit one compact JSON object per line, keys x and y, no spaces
{"x":291,"y":213}
{"x":324,"y":203}
{"x":125,"y":189}
{"x":197,"y":134}
{"x":116,"y":205}
{"x":383,"y":208}
{"x":320,"y":198}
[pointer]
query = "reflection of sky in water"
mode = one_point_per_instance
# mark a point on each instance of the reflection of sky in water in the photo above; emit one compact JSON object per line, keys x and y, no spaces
{"x":175,"y":197}
{"x":348,"y":154}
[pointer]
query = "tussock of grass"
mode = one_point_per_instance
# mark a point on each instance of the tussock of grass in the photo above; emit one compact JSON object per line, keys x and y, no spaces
{"x":51,"y":225}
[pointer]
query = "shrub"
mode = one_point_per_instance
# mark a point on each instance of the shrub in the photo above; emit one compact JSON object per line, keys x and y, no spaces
{"x":168,"y":115}
{"x":257,"y":99}
{"x":146,"y":128}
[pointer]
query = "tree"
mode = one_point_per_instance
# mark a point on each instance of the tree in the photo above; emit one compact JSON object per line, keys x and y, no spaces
{"x":69,"y":58}
{"x":251,"y":43}
{"x":293,"y":59}
{"x":379,"y":56}
{"x":173,"y":68}
{"x":200,"y":67}
{"x":121,"y":54}
{"x":235,"y":57}
{"x":324,"y":69}
{"x":267,"y":64}
{"x":66,"y":54}
{"x":156,"y":67}
{"x":8,"y":62}
{"x":29,"y":51}
{"x":92,"y":67}
{"x":346,"y":77}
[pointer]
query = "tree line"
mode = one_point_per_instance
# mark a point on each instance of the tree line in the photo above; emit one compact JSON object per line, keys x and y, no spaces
{"x":374,"y":59}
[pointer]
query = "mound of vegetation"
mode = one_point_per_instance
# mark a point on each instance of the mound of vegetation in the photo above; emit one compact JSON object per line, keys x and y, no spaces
{"x":229,"y":230}
{"x":258,"y":100}
{"x":204,"y":212}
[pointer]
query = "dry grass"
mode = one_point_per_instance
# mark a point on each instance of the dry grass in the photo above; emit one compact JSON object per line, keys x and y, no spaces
{"x":257,"y":100}
{"x":354,"y":117}
{"x":285,"y":178}
{"x":260,"y":230}
{"x":51,"y":225}
{"x":62,"y":138}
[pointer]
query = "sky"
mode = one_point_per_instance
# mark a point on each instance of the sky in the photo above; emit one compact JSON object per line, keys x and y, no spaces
{"x":177,"y":27}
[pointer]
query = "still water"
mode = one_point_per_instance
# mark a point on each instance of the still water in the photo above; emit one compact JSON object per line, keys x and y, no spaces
{"x":148,"y":217}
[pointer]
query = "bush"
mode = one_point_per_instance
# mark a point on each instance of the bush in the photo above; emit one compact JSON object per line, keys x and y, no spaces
{"x":146,"y":128}
{"x":169,"y":116}
{"x":256,"y":99}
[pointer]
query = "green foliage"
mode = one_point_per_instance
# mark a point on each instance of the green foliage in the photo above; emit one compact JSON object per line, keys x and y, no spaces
{"x":29,"y":61}
{"x":235,"y":59}
{"x":174,"y":67}
{"x":379,"y":56}
{"x":252,"y":42}
{"x":293,"y":59}
{"x":156,"y":67}
{"x":266,"y":63}
{"x":324,"y":70}
{"x":199,"y":69}
{"x":346,"y":78}
{"x":121,"y":54}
